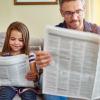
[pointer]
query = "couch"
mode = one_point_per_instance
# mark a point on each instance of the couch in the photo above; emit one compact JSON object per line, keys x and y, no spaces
{"x":33,"y":42}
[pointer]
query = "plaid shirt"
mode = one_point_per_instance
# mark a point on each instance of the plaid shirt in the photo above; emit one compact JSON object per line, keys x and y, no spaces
{"x":88,"y":27}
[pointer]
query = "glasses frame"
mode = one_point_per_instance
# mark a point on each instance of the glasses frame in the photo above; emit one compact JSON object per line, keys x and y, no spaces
{"x":70,"y":13}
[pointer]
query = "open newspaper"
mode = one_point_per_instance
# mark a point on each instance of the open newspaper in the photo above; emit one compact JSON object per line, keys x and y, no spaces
{"x":13,"y":70}
{"x":75,"y":67}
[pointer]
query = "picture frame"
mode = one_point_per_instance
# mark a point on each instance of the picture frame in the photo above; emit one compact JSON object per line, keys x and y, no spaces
{"x":35,"y":2}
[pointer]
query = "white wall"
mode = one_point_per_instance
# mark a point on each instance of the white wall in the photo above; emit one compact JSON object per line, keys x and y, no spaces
{"x":92,"y":11}
{"x":36,"y":17}
{"x":96,"y":17}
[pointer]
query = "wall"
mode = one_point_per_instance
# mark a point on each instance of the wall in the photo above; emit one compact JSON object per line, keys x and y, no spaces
{"x":92,"y":12}
{"x":36,"y":17}
{"x":96,"y":17}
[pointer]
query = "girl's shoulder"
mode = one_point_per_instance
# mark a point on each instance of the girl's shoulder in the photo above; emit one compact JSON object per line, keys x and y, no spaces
{"x":5,"y":54}
{"x":32,"y":54}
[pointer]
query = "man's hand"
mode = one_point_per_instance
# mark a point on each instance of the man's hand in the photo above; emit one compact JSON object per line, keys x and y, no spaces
{"x":43,"y":58}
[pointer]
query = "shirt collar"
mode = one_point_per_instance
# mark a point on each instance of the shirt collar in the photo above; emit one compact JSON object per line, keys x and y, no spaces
{"x":87,"y":26}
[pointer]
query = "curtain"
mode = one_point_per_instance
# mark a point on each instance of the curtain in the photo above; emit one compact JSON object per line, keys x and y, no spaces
{"x":90,"y":13}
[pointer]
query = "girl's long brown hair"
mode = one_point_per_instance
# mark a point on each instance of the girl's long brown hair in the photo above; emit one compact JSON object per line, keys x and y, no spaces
{"x":22,"y":28}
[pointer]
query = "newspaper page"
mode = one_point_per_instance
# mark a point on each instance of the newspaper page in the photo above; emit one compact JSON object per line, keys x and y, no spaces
{"x":2,"y":37}
{"x":96,"y":90}
{"x":13,"y":70}
{"x":74,"y":60}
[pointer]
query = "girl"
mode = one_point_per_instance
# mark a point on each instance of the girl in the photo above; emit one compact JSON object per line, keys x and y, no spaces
{"x":16,"y":42}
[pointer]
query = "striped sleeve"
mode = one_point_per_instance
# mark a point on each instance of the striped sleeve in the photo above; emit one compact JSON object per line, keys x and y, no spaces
{"x":32,"y":57}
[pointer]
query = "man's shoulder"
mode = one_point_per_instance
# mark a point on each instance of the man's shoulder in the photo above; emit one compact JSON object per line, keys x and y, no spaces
{"x":90,"y":27}
{"x":62,"y":25}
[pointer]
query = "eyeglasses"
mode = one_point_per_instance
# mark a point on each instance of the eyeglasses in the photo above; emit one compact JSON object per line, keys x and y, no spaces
{"x":79,"y":12}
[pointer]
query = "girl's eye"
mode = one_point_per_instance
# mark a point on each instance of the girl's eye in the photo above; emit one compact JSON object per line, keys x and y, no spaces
{"x":21,"y":40}
{"x":12,"y":39}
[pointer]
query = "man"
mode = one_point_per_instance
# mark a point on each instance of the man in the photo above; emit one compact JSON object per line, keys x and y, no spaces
{"x":73,"y":12}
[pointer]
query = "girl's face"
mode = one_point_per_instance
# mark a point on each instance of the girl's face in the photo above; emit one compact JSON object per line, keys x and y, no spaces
{"x":16,"y":42}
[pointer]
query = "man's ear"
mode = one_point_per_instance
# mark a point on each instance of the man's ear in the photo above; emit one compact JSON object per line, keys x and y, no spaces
{"x":84,"y":10}
{"x":84,"y":7}
{"x":61,"y":12}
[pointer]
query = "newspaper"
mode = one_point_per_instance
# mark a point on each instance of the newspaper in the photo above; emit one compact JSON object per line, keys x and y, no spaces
{"x":13,"y":70}
{"x":75,"y":67}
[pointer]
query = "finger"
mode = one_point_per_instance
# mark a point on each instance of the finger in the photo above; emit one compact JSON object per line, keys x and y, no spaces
{"x":41,"y":55}
{"x":46,"y":61}
{"x":31,"y":78}
{"x":43,"y":64}
{"x":43,"y":59}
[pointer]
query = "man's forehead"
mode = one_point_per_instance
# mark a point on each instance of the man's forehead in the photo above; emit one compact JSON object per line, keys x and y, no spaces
{"x":72,"y":6}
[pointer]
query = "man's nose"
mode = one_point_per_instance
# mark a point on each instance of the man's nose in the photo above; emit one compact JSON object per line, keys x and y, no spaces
{"x":74,"y":16}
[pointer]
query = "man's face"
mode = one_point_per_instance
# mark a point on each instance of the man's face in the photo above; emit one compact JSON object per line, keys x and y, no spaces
{"x":73,"y":13}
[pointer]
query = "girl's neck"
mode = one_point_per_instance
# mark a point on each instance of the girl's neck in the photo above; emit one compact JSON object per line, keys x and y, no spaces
{"x":15,"y":53}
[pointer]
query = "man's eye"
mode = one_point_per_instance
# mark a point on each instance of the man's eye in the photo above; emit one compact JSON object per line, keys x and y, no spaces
{"x":67,"y":13}
{"x":79,"y":11}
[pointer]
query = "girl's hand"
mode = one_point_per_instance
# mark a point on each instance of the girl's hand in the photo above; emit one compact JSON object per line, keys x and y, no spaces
{"x":43,"y":58}
{"x":32,"y":76}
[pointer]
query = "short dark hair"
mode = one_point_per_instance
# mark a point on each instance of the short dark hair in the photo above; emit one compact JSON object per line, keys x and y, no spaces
{"x":62,"y":1}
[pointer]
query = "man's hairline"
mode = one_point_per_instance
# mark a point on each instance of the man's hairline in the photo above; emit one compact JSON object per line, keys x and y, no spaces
{"x":60,"y":3}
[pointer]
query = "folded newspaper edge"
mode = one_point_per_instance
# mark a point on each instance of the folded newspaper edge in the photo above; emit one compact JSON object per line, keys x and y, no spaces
{"x":73,"y":33}
{"x":13,"y":70}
